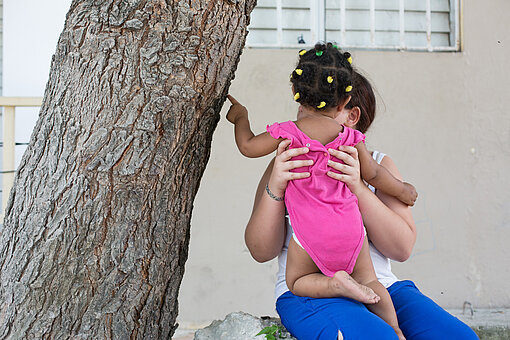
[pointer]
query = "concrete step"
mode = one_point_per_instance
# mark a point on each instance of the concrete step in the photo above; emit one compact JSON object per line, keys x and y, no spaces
{"x":489,"y":324}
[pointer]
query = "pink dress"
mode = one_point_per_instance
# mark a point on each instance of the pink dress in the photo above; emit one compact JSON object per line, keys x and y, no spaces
{"x":323,"y":212}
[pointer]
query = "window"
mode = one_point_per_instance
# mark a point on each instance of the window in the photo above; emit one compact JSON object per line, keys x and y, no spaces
{"x":425,"y":25}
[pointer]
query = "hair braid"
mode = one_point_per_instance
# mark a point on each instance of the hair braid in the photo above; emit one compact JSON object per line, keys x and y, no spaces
{"x":322,"y":75}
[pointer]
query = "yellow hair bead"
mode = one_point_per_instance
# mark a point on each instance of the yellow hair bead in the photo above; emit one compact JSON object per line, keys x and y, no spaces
{"x":296,"y":96}
{"x":330,"y":79}
{"x":349,"y":60}
{"x":302,"y":52}
{"x":348,"y":88}
{"x":321,"y":105}
{"x":299,"y":71}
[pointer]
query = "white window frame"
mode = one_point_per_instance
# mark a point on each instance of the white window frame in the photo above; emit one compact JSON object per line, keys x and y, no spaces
{"x":318,"y":30}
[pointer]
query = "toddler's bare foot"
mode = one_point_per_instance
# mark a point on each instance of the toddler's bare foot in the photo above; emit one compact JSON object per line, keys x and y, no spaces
{"x":346,"y":286}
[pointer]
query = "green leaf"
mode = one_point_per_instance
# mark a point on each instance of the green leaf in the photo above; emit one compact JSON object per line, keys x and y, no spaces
{"x":268,"y":330}
{"x":270,"y":337}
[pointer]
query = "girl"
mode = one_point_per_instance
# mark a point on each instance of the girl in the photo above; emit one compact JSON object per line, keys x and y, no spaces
{"x":323,"y":212}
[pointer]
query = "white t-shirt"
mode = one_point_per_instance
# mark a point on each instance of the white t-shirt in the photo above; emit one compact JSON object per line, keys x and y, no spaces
{"x":382,"y":264}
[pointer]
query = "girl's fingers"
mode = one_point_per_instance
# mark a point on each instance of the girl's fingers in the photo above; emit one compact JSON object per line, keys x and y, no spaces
{"x":232,"y":99}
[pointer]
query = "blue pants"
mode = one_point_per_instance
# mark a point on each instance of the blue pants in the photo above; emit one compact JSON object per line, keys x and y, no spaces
{"x":419,"y":317}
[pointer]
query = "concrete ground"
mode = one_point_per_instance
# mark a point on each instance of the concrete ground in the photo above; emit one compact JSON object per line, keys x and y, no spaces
{"x":489,"y":324}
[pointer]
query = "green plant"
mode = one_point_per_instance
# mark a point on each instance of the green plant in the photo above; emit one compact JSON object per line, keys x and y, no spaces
{"x":270,"y":332}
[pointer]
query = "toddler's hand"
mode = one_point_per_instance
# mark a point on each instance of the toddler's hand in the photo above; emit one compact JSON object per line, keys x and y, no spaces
{"x":236,"y":110}
{"x":408,"y":195}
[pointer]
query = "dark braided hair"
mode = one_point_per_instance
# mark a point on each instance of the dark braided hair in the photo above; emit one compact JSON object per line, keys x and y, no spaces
{"x":322,"y":76}
{"x":362,"y":96}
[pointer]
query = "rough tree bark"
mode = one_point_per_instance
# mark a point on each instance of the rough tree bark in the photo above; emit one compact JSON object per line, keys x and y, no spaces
{"x":97,"y":227}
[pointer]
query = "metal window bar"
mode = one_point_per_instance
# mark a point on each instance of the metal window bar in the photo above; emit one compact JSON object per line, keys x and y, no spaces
{"x":402,"y":24}
{"x":455,"y":20}
{"x":428,"y":19}
{"x":321,"y":15}
{"x":372,"y":23}
{"x":318,"y":18}
{"x":314,"y":20}
{"x":279,"y":27}
{"x":342,"y":23}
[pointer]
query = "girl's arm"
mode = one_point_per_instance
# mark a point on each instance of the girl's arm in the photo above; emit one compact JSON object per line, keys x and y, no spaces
{"x":399,"y":224}
{"x":380,"y":178}
{"x":388,"y":221}
{"x":248,"y":144}
{"x":265,"y":232}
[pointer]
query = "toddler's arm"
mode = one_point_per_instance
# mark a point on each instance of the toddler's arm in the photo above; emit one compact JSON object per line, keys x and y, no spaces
{"x":248,"y":144}
{"x":382,"y":179}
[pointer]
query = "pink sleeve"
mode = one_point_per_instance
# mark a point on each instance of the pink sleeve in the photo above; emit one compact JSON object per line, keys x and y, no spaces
{"x":277,"y":131}
{"x":358,"y":137}
{"x":352,"y":137}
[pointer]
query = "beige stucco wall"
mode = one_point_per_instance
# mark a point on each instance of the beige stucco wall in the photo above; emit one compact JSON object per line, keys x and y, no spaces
{"x":442,"y":117}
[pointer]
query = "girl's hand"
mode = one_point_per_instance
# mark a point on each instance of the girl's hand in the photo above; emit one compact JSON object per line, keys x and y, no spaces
{"x":236,"y":110}
{"x":281,"y":174}
{"x":408,"y":195}
{"x":350,"y":171}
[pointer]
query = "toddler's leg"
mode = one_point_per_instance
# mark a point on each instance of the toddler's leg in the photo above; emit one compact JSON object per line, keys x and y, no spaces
{"x":364,"y":273}
{"x":304,"y":279}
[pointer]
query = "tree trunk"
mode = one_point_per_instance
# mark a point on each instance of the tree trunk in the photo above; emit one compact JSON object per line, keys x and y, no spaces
{"x":97,"y":226}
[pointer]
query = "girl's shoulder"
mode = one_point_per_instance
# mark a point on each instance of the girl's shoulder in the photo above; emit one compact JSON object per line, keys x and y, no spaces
{"x":322,"y":129}
{"x":287,"y":130}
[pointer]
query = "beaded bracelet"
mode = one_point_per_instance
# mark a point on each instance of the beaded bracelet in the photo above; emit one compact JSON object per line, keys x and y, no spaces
{"x":273,"y":196}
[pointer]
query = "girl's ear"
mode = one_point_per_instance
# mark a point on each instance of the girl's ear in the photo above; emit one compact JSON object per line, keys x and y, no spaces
{"x":353,"y":117}
{"x":341,"y":107}
{"x":344,"y":103}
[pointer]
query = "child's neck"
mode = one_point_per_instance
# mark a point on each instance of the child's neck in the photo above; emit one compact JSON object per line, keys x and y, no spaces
{"x":317,"y":125}
{"x":306,"y":111}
